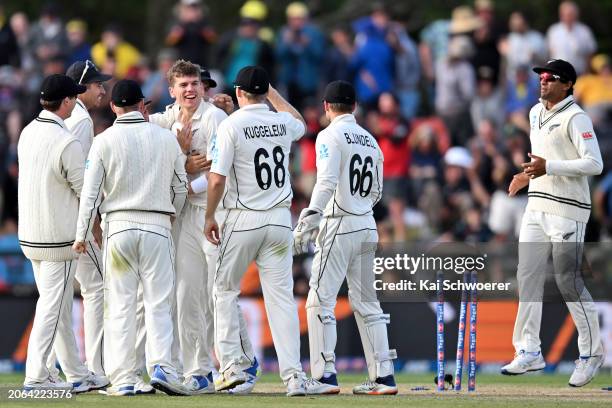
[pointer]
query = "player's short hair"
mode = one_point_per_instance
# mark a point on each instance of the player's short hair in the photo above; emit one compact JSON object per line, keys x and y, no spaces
{"x":341,"y":107}
{"x":182,"y":68}
{"x":259,"y":98}
{"x":51,"y":106}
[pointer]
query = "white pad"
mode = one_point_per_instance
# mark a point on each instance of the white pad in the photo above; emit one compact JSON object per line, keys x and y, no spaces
{"x":321,"y":339}
{"x":373,"y":332}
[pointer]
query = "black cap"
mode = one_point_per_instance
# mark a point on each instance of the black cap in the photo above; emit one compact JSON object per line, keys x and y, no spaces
{"x":85,"y":72}
{"x":253,"y":79}
{"x":57,"y":86}
{"x":126,"y":93}
{"x":560,"y":67}
{"x":339,"y":92}
{"x":206,"y":78}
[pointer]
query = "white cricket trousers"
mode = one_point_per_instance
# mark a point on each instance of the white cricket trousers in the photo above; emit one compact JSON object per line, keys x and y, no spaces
{"x":137,"y":253}
{"x":266,"y":238}
{"x":89,"y":275}
{"x":345,"y":248}
{"x":544,"y":235}
{"x":52,"y":325}
{"x":194,"y":315}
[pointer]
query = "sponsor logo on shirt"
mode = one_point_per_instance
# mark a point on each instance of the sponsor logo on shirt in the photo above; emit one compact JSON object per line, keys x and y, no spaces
{"x":587,"y":135}
{"x":323,"y":151}
{"x":86,"y":164}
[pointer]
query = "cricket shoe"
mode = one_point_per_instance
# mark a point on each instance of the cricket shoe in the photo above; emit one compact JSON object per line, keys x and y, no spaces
{"x":142,"y":388}
{"x":230,"y":379}
{"x":199,"y":384}
{"x":327,"y":385}
{"x":523,"y":362}
{"x":50,"y":384}
{"x":296,"y":386}
{"x":120,"y":391}
{"x":382,"y":386}
{"x":253,"y":374}
{"x":167,"y":382}
{"x":90,"y":383}
{"x":586,"y":368}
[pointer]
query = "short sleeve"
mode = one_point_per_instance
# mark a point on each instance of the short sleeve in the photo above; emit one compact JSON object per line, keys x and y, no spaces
{"x":223,"y":150}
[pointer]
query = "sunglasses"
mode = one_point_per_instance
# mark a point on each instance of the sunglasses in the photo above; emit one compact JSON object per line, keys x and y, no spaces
{"x":550,"y":77}
{"x":88,"y":64}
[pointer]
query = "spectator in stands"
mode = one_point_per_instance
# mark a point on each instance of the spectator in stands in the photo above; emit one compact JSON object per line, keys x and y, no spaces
{"x":307,"y":152}
{"x":456,"y":88}
{"x":113,"y":54}
{"x":486,"y":39}
{"x":602,"y":203}
{"x":523,"y":46}
{"x":192,"y":35}
{"x":48,"y":36}
{"x":485,"y":147}
{"x":338,"y":58}
{"x":594,"y":91}
{"x":9,"y":51}
{"x":300,"y":50}
{"x":488,"y":100}
{"x":80,"y":49}
{"x":571,"y":40}
{"x":244,"y":45}
{"x":373,"y":61}
{"x":425,"y":161}
{"x":433,"y":46}
{"x":155,"y":88}
{"x":391,"y":132}
{"x":407,"y":70}
{"x":506,"y":213}
{"x":522,"y":92}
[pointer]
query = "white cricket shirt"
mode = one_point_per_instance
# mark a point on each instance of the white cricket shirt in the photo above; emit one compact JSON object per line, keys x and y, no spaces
{"x":252,"y":151}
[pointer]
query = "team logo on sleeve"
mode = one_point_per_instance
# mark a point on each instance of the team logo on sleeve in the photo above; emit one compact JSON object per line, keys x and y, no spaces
{"x":323,"y":151}
{"x":587,"y":135}
{"x":86,"y":164}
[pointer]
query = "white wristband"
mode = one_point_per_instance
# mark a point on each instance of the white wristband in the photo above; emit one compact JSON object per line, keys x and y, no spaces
{"x":199,"y":185}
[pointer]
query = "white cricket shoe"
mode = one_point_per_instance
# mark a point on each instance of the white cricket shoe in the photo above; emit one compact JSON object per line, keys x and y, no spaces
{"x":50,"y":384}
{"x":142,"y":388}
{"x":199,"y":384}
{"x":167,"y":381}
{"x":90,"y":383}
{"x":325,"y":386}
{"x":523,"y":362}
{"x":121,"y":391}
{"x":382,"y":386}
{"x":585,"y":370}
{"x":295,"y":385}
{"x":253,"y":373}
{"x":230,"y":379}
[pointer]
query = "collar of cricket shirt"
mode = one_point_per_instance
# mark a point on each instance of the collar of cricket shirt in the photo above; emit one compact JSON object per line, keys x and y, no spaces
{"x":46,"y":116}
{"x":347,"y":117}
{"x":255,"y":106}
{"x":130,"y":117}
{"x":559,"y":105}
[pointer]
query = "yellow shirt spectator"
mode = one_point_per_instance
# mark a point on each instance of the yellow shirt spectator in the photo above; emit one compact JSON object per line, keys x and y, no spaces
{"x":113,"y":52}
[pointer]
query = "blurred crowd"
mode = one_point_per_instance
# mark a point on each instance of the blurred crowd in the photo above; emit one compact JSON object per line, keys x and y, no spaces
{"x":448,"y":105}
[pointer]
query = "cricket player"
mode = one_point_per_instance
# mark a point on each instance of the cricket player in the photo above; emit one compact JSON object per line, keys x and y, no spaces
{"x":251,"y":156}
{"x":196,"y":257}
{"x":135,"y":175}
{"x":564,"y":153}
{"x":89,"y":265}
{"x":349,"y":184}
{"x":51,"y":166}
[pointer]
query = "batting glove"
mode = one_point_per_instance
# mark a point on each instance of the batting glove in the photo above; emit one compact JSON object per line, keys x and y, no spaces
{"x":306,"y":230}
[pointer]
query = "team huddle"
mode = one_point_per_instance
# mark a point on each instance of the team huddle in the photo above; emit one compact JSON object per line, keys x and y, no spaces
{"x":158,"y":218}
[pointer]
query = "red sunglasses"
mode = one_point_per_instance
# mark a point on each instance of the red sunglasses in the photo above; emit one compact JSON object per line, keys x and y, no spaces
{"x":549,"y":77}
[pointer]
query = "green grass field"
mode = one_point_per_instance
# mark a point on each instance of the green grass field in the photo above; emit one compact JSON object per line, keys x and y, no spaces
{"x":492,"y":391}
